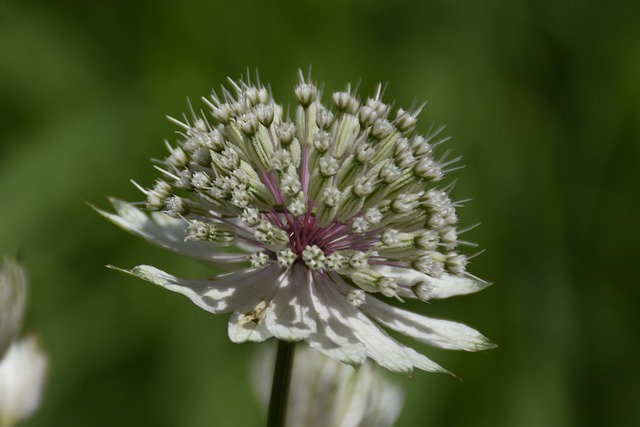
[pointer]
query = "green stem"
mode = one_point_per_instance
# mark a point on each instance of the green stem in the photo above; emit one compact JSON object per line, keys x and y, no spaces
{"x":280,"y":385}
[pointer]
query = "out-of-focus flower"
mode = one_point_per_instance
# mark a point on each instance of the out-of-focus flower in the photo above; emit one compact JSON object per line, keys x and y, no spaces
{"x":22,"y":376}
{"x":23,"y":365}
{"x":326,"y":393}
{"x":331,"y":217}
{"x":13,"y":298}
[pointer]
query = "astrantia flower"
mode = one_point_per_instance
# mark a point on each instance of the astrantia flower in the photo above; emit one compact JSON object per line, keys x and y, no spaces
{"x":335,"y":217}
{"x":22,"y":376}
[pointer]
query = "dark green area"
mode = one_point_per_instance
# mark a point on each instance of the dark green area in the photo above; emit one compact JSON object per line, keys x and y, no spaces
{"x":542,"y":100}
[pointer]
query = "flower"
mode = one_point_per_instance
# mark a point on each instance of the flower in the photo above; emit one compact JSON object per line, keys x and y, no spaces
{"x":13,"y":299}
{"x":23,"y":364}
{"x":330,"y":217}
{"x":22,"y":376}
{"x":327,"y":393}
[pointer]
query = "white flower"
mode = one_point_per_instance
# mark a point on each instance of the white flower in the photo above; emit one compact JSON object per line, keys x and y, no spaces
{"x":22,"y":376}
{"x":336,"y":216}
{"x":327,"y":393}
{"x":23,"y":365}
{"x":13,"y":298}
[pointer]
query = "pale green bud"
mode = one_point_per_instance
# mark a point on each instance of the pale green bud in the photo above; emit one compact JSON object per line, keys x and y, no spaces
{"x":345,"y":102}
{"x":313,"y":257}
{"x":359,"y":260}
{"x":360,"y":225}
{"x":249,"y":124}
{"x":286,"y":131}
{"x":286,"y":258}
{"x":324,"y":118}
{"x":298,"y":205}
{"x":271,"y":237}
{"x":175,"y":206}
{"x":264,"y":114}
{"x":356,"y":297}
{"x":423,"y":290}
{"x":217,"y":234}
{"x":201,"y":180}
{"x":335,"y":261}
{"x":306,"y":93}
{"x":431,"y":264}
{"x":250,"y":216}
{"x":258,"y":259}
{"x":388,"y":287}
{"x":456,"y":263}
{"x":405,"y":121}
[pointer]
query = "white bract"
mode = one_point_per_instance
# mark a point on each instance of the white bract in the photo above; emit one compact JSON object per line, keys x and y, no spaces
{"x":336,"y":216}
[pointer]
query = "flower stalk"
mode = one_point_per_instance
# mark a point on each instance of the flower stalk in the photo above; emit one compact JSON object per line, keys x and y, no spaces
{"x":281,"y":384}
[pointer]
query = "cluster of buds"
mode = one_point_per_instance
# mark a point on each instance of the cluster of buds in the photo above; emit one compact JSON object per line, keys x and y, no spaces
{"x":342,"y":190}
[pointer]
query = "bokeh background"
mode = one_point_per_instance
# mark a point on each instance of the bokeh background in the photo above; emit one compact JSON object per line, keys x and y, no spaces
{"x":542,"y":99}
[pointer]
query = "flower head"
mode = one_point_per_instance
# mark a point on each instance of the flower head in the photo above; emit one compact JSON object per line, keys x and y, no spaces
{"x":333,"y":215}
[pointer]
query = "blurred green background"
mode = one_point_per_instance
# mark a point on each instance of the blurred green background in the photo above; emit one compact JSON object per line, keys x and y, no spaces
{"x":542,"y":99}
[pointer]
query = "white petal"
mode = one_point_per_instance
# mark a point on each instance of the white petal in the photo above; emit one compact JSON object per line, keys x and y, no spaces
{"x":242,"y":328}
{"x":289,"y":316}
{"x":437,"y":332}
{"x":380,"y":346}
{"x":166,"y":232}
{"x":447,"y":286}
{"x":247,"y":323}
{"x":421,"y":361}
{"x":354,"y":355}
{"x":335,"y":336}
{"x":222,"y":294}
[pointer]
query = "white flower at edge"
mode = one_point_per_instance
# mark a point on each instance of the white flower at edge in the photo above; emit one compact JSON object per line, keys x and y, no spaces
{"x":23,"y":365}
{"x":326,"y":393}
{"x":333,"y":218}
{"x":13,"y":298}
{"x":22,"y":376}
